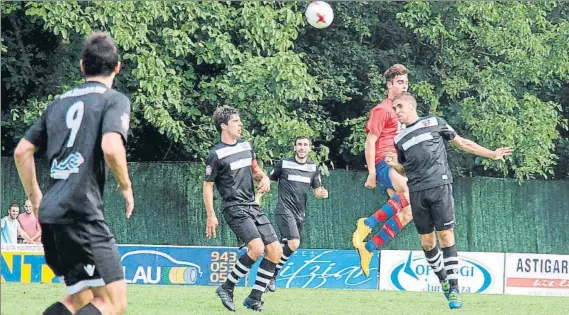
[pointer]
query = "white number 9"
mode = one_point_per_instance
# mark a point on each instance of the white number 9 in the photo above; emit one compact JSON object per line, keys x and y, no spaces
{"x":73,"y":119}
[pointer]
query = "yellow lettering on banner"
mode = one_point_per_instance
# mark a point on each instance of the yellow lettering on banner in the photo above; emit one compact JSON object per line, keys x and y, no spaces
{"x":22,"y":272}
{"x":47,"y":274}
{"x":26,"y":271}
{"x":8,"y":258}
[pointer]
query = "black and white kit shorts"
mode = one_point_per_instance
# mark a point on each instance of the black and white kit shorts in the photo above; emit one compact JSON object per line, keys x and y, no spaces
{"x":249,"y":223}
{"x":433,"y":209}
{"x":290,"y":227}
{"x":83,"y":253}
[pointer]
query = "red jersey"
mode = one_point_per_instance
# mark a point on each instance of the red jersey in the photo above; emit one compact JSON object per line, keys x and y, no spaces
{"x":384,"y":124}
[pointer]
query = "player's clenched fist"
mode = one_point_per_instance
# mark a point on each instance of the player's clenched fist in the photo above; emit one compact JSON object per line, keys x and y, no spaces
{"x":371,"y":181}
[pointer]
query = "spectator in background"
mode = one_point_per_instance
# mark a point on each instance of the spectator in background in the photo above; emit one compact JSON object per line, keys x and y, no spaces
{"x":11,"y":227}
{"x":29,"y":222}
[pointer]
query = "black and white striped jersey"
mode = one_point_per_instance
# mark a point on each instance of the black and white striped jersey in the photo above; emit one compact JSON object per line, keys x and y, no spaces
{"x":295,"y":180}
{"x":230,"y":168}
{"x":421,"y":150}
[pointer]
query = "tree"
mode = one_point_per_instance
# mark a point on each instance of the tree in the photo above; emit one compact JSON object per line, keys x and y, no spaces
{"x":182,"y":59}
{"x":494,"y":63}
{"x":496,"y":72}
{"x":497,"y":92}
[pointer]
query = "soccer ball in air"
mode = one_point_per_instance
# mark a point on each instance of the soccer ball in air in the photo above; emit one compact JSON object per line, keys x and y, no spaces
{"x":319,"y":14}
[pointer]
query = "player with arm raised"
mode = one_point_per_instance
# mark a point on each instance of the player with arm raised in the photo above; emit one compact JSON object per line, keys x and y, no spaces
{"x":421,"y":154}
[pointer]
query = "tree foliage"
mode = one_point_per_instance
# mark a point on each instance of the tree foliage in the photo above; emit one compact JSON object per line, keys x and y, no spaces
{"x":496,"y":71}
{"x":494,"y":62}
{"x":182,"y":59}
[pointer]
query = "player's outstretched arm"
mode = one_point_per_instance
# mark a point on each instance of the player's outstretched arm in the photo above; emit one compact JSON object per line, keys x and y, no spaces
{"x":115,"y":157}
{"x":212,"y":222}
{"x":474,"y":148}
{"x":24,"y":158}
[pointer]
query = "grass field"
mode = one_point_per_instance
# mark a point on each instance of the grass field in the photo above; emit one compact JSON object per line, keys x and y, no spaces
{"x":27,"y":299}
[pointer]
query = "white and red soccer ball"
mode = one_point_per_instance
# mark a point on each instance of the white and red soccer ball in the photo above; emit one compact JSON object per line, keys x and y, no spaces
{"x":319,"y":14}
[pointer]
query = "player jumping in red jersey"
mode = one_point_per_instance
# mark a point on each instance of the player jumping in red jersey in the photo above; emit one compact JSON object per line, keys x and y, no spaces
{"x":381,"y":129}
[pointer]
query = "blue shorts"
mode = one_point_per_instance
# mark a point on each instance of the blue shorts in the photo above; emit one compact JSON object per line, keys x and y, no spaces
{"x":382,"y":176}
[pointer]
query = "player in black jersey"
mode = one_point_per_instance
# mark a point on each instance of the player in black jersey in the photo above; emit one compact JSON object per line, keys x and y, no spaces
{"x":80,"y":131}
{"x":231,"y":167}
{"x":421,"y":155}
{"x":295,"y":176}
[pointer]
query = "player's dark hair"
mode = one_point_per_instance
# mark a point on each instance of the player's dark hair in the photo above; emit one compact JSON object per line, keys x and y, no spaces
{"x":405,"y":95}
{"x":13,"y":205}
{"x":222,"y":115}
{"x":100,"y":55}
{"x":300,"y":138}
{"x":393,"y":71}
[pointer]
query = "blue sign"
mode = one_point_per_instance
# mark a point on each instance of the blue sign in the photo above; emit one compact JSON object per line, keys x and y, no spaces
{"x":328,"y":269}
{"x":177,"y":264}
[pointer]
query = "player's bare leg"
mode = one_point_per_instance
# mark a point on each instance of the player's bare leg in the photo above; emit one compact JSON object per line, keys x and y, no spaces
{"x":400,"y":185}
{"x":396,"y":213}
{"x":109,"y":299}
{"x":70,"y":304}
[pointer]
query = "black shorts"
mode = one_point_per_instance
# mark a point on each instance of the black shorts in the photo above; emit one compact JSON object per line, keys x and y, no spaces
{"x":83,"y":253}
{"x":249,"y":223}
{"x":433,"y":209}
{"x":290,"y":227}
